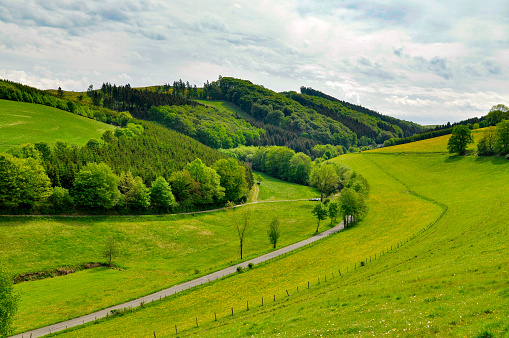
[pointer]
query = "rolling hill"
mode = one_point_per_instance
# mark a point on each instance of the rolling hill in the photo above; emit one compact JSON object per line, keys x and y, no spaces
{"x":22,"y":122}
{"x":429,"y":259}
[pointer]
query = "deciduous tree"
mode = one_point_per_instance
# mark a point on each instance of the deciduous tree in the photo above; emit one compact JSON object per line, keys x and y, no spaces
{"x":274,"y":232}
{"x":241,"y":220}
{"x":461,"y":137}
{"x":232,"y":178}
{"x":502,"y":137}
{"x":320,"y":211}
{"x":161,"y":197}
{"x":333,"y":211}
{"x":8,"y":304}
{"x":95,"y":186}
{"x":210,"y":189}
{"x":325,"y":178}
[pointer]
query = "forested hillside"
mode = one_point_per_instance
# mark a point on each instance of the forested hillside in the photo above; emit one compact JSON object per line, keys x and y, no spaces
{"x":312,"y":115}
{"x":297,"y":121}
{"x":141,"y":167}
{"x":329,"y":105}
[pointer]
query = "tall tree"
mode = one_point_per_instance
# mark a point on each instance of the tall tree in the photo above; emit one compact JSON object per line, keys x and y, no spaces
{"x":210,"y":190}
{"x":353,"y":206}
{"x":333,"y":211}
{"x":232,"y":178}
{"x":461,"y":137}
{"x":241,"y":220}
{"x":274,"y":232}
{"x":96,"y":187}
{"x":486,"y":145}
{"x":135,"y":195}
{"x":161,"y":197}
{"x":502,"y":137}
{"x":23,"y":182}
{"x":320,"y":211}
{"x":325,"y":178}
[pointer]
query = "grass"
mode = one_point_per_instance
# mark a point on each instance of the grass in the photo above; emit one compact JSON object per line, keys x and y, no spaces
{"x":226,"y":106}
{"x":378,"y":231}
{"x":272,"y":189}
{"x":433,"y":145}
{"x":157,"y":252}
{"x":22,"y":122}
{"x":449,"y":280}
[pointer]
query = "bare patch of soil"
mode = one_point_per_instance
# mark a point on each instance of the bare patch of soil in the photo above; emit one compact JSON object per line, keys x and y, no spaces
{"x":62,"y":271}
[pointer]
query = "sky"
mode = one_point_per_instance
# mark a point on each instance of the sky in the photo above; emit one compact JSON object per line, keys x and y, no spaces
{"x":430,"y":62}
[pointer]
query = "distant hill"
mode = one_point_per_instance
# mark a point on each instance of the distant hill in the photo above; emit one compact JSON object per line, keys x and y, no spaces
{"x":156,"y":152}
{"x":312,"y":115}
{"x":22,"y":122}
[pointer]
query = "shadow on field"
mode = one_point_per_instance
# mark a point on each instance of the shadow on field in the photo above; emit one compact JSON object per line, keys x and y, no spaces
{"x":497,"y":160}
{"x":454,"y":158}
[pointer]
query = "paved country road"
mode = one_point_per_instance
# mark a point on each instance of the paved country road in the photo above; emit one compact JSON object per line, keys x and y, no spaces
{"x":175,"y":289}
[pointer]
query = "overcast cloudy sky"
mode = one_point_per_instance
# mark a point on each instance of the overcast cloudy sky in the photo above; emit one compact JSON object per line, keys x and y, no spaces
{"x":424,"y":61}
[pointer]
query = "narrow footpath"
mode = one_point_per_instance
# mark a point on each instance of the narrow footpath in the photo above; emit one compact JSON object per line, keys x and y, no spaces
{"x":174,"y":289}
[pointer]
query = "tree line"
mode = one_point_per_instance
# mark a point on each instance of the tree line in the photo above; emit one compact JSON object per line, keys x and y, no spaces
{"x":408,"y":128}
{"x":496,"y":114}
{"x":21,"y":93}
{"x":64,"y":177}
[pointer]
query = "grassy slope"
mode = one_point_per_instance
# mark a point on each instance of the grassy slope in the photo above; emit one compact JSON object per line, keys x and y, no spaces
{"x":29,"y":123}
{"x":394,"y":216}
{"x":158,"y":251}
{"x":272,"y":189}
{"x":449,"y":280}
{"x":226,"y":106}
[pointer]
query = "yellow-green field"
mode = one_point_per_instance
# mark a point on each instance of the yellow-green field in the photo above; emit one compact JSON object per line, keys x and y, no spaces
{"x":446,"y":275}
{"x":22,"y":122}
{"x":156,"y":252}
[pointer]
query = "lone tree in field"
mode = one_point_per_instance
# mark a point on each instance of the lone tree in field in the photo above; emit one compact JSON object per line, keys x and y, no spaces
{"x":241,"y":220}
{"x":274,"y":232}
{"x":111,"y":250}
{"x":460,"y":138}
{"x":320,"y":211}
{"x":8,"y":304}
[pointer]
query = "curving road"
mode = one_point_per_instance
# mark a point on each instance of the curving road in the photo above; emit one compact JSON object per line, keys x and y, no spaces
{"x":175,"y":289}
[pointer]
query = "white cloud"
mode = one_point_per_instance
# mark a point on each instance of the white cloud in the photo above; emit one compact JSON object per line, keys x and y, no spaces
{"x":428,"y":61}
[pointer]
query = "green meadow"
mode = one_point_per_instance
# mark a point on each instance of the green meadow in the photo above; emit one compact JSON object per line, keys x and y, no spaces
{"x":438,"y":225}
{"x":22,"y":122}
{"x":157,"y":251}
{"x":272,"y":189}
{"x":225,"y":106}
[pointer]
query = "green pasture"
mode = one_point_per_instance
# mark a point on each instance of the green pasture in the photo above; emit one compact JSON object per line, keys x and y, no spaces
{"x":157,"y":252}
{"x":22,"y":122}
{"x":225,"y":106}
{"x":432,"y":145}
{"x":273,"y":189}
{"x":395,"y":214}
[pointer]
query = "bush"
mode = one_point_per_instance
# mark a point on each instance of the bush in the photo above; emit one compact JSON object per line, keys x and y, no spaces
{"x":250,"y":265}
{"x":239,"y":269}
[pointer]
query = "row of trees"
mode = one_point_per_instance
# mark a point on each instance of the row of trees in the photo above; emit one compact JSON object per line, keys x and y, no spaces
{"x":494,"y":141}
{"x":26,"y":186}
{"x":351,"y":205}
{"x":496,"y":114}
{"x":21,"y":93}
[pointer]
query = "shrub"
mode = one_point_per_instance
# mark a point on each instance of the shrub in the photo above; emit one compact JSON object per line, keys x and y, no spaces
{"x":250,"y":265}
{"x":239,"y":269}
